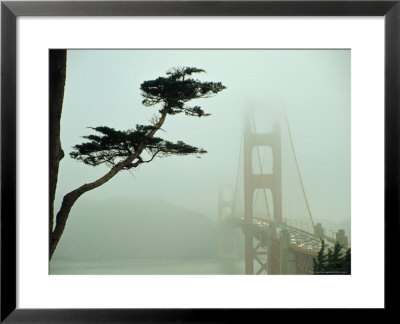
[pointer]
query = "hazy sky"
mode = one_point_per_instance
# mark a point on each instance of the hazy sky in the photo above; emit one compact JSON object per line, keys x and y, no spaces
{"x":313,"y":86}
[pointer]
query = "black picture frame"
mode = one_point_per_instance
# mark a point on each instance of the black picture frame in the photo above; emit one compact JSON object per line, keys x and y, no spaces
{"x":10,"y":10}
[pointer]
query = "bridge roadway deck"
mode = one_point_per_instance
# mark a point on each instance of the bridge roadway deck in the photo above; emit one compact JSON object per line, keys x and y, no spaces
{"x":300,"y":240}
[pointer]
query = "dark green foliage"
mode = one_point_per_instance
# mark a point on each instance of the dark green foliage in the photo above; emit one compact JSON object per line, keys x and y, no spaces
{"x":346,"y":264}
{"x":172,"y":92}
{"x":175,"y":90}
{"x":114,"y":146}
{"x":332,"y":262}
{"x":319,"y":262}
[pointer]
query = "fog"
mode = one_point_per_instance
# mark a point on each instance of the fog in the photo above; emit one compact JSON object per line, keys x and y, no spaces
{"x":167,"y":209}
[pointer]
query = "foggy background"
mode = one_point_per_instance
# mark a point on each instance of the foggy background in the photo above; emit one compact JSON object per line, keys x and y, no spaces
{"x":167,"y":209}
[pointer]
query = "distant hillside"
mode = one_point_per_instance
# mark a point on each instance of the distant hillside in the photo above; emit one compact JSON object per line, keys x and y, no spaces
{"x":115,"y":229}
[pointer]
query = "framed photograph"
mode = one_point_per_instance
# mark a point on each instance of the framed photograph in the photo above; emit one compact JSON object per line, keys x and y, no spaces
{"x":163,"y":159}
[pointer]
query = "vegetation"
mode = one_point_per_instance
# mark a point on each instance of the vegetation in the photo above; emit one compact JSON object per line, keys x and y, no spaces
{"x":337,"y":261}
{"x":125,"y":150}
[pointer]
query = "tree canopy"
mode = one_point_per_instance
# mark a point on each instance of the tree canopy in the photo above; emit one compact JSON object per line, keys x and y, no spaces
{"x":176,"y":89}
{"x":114,"y":146}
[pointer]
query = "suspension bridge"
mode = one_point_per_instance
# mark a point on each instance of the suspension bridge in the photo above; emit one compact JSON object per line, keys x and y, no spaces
{"x":267,"y":218}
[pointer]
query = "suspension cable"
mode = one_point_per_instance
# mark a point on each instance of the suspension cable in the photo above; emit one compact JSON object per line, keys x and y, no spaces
{"x":298,"y":171}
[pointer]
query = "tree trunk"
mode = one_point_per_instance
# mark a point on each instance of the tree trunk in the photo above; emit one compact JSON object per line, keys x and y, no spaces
{"x":57,"y":74}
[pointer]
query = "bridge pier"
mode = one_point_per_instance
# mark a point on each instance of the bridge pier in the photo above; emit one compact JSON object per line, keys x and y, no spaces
{"x":342,"y":238}
{"x":319,"y":231}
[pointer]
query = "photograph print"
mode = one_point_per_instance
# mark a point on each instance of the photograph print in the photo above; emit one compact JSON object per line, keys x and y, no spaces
{"x":199,"y":162}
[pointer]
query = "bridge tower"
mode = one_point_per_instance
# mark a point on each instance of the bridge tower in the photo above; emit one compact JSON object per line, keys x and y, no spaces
{"x":272,"y":181}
